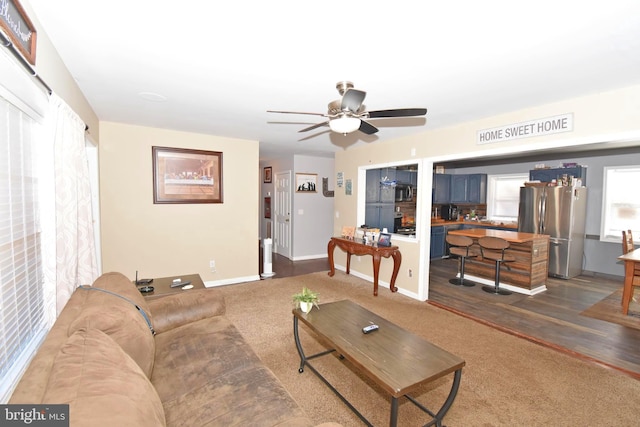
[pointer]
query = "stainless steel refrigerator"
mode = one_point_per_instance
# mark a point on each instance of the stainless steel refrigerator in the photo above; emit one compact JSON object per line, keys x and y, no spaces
{"x":559,"y":212}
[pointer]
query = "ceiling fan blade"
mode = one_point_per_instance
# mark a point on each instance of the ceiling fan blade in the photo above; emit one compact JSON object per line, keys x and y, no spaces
{"x":367,"y":128}
{"x":317,"y":125}
{"x":352,"y":100}
{"x":400,"y":112}
{"x":296,"y":112}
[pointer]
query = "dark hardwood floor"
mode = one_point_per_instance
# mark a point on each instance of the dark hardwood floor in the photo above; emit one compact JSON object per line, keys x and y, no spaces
{"x":284,"y":267}
{"x":551,"y":318}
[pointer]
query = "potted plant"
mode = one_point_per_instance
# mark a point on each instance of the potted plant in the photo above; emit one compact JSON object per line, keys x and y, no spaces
{"x":306,"y":299}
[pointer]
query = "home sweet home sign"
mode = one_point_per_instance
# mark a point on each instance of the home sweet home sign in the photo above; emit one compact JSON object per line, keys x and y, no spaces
{"x":18,"y":27}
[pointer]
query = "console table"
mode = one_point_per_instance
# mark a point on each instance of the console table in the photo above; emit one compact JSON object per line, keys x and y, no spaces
{"x":352,"y":247}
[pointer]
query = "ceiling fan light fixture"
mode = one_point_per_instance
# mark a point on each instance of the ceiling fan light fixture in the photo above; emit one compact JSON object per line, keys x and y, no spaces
{"x":345,"y":125}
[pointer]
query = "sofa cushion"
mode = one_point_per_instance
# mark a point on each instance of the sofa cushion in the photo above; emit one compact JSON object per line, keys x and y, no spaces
{"x":118,"y":283}
{"x":206,"y":374}
{"x":102,"y":384}
{"x":124,"y":324}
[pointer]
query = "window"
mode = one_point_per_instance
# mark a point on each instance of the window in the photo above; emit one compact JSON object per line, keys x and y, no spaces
{"x":503,"y":196}
{"x":391,"y":198}
{"x":22,"y":320}
{"x":620,"y":202}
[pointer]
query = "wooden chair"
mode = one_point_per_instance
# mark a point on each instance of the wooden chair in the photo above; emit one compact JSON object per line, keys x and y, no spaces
{"x":460,"y":246}
{"x":627,"y":242}
{"x":627,"y":294}
{"x":493,"y":248}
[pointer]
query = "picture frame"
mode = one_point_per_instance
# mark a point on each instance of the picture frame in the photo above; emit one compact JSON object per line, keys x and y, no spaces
{"x":306,"y":182}
{"x":267,"y":207}
{"x":267,"y":176}
{"x":16,"y":24}
{"x":384,"y":239}
{"x":182,"y":175}
{"x":348,"y":232}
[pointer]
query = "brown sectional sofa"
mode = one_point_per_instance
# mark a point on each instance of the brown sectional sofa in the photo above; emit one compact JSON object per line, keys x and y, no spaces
{"x":102,"y":358}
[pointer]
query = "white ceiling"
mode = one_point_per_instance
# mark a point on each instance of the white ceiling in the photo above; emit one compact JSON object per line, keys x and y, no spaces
{"x":219,"y":66}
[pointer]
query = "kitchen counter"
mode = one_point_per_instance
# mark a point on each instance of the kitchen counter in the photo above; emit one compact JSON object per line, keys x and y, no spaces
{"x":488,"y":224}
{"x":527,"y":274}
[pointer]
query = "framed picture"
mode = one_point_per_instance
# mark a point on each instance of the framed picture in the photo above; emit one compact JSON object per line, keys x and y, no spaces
{"x":267,"y":207}
{"x":348,"y":187}
{"x":267,"y":175}
{"x":384,"y":239}
{"x":306,"y":182}
{"x":348,"y":232}
{"x":19,"y":28}
{"x":181,"y":175}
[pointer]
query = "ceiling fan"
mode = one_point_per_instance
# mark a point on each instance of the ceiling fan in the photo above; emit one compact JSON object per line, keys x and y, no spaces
{"x":348,"y":114}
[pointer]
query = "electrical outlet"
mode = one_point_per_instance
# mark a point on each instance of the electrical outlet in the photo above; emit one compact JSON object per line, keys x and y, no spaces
{"x":212,"y":266}
{"x":410,"y":273}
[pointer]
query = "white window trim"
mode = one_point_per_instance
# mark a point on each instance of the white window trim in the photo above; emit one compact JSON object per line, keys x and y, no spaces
{"x":491,"y":193}
{"x":606,"y":232}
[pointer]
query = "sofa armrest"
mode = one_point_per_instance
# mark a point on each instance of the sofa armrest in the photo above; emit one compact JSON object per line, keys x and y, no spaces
{"x":172,"y":311}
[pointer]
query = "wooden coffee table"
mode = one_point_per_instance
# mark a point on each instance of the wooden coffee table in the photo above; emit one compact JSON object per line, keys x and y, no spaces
{"x":394,"y":358}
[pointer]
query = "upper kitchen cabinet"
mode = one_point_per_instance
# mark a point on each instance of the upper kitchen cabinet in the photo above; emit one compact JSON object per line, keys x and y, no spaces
{"x":548,"y":175}
{"x":471,"y":189}
{"x":407,"y":175}
{"x":441,"y":188}
{"x":378,"y":192}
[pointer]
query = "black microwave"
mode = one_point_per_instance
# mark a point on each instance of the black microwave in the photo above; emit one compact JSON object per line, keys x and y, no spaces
{"x":449,"y":212}
{"x":404,"y":193}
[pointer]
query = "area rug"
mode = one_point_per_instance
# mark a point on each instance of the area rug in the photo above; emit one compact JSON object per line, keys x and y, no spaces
{"x":507,"y":381}
{"x":609,"y":309}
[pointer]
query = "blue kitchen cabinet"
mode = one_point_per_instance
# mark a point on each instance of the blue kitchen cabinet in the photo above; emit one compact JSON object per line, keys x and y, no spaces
{"x":441,"y":188}
{"x":547,"y":175}
{"x":376,"y":192}
{"x":470,"y":189}
{"x":379,"y":215}
{"x":477,"y":188}
{"x":438,"y":243}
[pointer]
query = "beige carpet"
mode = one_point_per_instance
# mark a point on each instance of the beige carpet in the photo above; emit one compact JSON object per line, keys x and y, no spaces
{"x":507,"y":381}
{"x":610,"y":309}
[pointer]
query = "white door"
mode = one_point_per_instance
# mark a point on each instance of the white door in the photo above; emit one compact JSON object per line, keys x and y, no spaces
{"x":282,"y":239}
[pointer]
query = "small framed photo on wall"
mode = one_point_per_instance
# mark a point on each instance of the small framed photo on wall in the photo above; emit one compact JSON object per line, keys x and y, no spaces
{"x":267,"y":175}
{"x":306,"y":182}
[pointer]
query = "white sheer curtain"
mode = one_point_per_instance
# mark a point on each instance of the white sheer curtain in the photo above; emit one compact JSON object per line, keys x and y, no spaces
{"x":76,"y":262}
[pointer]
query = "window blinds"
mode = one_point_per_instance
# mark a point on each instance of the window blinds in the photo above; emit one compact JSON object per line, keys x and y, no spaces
{"x":22,"y":322}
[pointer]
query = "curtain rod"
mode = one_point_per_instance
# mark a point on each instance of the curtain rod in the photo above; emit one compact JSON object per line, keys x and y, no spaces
{"x":7,"y":43}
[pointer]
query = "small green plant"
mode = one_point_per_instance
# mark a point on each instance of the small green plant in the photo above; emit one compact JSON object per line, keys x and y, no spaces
{"x":307,"y":295}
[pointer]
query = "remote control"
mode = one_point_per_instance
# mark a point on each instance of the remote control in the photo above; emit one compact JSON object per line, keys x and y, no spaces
{"x":179,"y":284}
{"x":369,"y":328}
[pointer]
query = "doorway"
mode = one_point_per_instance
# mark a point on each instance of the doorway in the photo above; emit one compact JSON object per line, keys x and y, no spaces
{"x":282,"y":213}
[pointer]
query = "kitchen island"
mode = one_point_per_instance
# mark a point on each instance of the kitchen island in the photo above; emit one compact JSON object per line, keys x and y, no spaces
{"x":526,"y":275}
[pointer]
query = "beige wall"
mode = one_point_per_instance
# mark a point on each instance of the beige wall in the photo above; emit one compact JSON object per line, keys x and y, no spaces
{"x":53,"y":71}
{"x":162,"y":240}
{"x":610,"y":117}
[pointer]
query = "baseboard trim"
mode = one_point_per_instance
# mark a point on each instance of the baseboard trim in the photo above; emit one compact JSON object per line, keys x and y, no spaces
{"x":232,"y":281}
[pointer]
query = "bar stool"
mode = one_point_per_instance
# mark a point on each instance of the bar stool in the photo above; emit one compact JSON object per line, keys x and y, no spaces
{"x":493,"y":248}
{"x":461,"y":247}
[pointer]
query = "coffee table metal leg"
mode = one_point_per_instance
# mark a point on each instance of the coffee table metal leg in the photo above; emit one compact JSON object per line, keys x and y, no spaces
{"x":393,"y":421}
{"x":298,"y":345}
{"x":452,"y":395}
